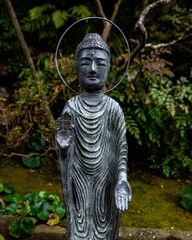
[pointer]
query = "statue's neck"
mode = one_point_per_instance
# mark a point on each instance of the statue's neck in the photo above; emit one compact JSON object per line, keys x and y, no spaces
{"x":92,"y":98}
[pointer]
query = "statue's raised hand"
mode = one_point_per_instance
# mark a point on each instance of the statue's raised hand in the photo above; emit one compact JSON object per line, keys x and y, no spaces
{"x":64,"y":131}
{"x":123,"y":195}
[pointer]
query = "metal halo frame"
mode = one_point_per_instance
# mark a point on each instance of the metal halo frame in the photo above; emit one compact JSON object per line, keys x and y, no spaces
{"x":90,"y":18}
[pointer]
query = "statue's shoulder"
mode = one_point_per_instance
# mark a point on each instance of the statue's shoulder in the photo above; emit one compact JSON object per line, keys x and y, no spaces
{"x":72,"y":101}
{"x":70,"y":104}
{"x":112,"y":102}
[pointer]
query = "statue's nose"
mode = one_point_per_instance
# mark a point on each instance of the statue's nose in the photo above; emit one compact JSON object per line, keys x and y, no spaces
{"x":93,"y":67}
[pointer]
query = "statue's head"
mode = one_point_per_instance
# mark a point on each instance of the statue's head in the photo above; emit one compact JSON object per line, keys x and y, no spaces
{"x":93,"y":62}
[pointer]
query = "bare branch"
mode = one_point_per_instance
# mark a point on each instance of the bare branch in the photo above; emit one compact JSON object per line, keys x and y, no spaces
{"x":29,"y":154}
{"x":22,"y":40}
{"x":49,"y":149}
{"x":171,"y":43}
{"x":107,"y":30}
{"x":140,"y":23}
{"x":100,"y":9}
{"x":116,"y":9}
{"x":20,"y":154}
{"x":142,"y":42}
{"x":102,"y":14}
{"x":119,"y":71}
{"x":107,"y":25}
{"x":149,"y":45}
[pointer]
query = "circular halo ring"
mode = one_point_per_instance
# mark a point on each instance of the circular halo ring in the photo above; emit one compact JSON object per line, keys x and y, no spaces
{"x":90,"y":18}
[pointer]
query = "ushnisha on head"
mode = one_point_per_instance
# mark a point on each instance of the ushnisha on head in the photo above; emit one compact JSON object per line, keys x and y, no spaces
{"x":92,"y":40}
{"x":92,"y":63}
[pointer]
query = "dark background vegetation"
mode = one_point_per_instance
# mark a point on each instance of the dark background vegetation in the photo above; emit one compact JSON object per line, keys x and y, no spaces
{"x":156,"y":94}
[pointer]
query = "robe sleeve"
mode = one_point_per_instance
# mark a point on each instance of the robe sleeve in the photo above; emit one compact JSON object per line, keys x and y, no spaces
{"x":122,"y":145}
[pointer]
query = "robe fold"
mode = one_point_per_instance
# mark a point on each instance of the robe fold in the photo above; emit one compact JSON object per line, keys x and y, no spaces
{"x":91,"y":166}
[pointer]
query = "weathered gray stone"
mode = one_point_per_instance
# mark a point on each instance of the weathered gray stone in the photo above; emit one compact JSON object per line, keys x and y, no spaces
{"x":153,"y":234}
{"x":92,"y":150}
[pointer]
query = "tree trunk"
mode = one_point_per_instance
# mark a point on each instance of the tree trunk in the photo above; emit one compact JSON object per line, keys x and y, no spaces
{"x":30,"y":61}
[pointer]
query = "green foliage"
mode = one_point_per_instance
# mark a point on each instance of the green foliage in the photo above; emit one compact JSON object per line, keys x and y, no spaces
{"x":42,"y":206}
{"x":157,"y":112}
{"x":80,"y":11}
{"x":24,"y":122}
{"x":156,"y":105}
{"x":59,"y":18}
{"x":36,"y":143}
{"x":37,"y":12}
{"x":1,"y":237}
{"x":31,"y":161}
{"x":20,"y":227}
{"x":7,"y":188}
{"x":10,"y":49}
{"x":22,"y":118}
{"x":7,"y":34}
{"x":133,"y":128}
{"x":1,"y":187}
{"x":156,"y":96}
{"x":186,"y":201}
{"x":47,"y":17}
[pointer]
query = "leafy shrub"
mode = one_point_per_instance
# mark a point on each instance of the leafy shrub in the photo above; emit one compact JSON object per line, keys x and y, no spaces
{"x":9,"y":44}
{"x":21,"y":227}
{"x":42,"y":206}
{"x":25,"y":125}
{"x":157,"y":109}
{"x":156,"y":104}
{"x":46,"y":18}
{"x":36,"y":143}
{"x":158,"y":113}
{"x":186,"y":201}
{"x":23,"y":114}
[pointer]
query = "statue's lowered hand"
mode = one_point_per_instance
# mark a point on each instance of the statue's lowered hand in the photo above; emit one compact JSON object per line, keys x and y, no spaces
{"x":64,"y":131}
{"x":123,"y":195}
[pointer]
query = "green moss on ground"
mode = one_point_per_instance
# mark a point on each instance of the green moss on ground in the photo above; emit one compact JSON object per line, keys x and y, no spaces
{"x":155,"y":201}
{"x":29,"y":180}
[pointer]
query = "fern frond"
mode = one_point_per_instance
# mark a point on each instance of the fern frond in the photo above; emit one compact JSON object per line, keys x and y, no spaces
{"x":140,"y":114}
{"x":132,"y":127}
{"x":37,"y":12}
{"x":155,"y":113}
{"x":80,"y":11}
{"x":59,"y":18}
{"x":170,"y":105}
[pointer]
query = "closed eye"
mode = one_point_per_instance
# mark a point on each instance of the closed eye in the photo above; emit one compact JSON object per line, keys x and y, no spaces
{"x":84,"y":63}
{"x":102,"y":63}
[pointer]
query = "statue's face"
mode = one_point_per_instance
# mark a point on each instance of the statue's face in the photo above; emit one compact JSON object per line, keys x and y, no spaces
{"x":92,"y":69}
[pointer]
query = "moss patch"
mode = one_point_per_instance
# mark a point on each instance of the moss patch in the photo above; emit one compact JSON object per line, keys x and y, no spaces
{"x":155,"y":201}
{"x":31,"y":180}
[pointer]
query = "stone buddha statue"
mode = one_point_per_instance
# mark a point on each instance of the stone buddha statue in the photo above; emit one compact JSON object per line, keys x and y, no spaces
{"x":92,"y":149}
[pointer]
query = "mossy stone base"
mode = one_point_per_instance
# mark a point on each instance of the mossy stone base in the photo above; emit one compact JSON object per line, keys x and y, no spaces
{"x":43,"y":232}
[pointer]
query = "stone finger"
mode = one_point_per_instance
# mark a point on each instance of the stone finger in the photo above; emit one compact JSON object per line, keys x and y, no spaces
{"x":119,"y":202}
{"x":126,"y":203}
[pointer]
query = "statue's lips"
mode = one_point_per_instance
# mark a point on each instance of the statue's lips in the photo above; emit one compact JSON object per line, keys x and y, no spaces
{"x":93,"y":78}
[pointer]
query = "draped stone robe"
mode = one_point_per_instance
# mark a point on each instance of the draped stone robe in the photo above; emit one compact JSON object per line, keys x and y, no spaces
{"x":90,"y":168}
